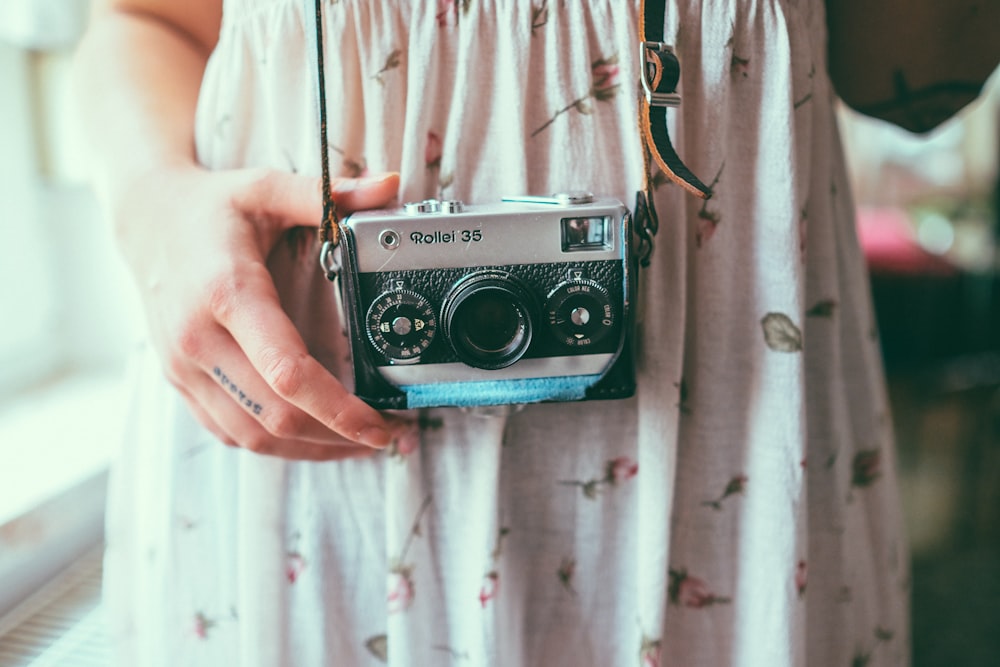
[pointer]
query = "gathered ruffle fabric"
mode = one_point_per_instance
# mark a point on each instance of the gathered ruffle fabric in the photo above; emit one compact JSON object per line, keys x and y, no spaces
{"x":740,"y":510}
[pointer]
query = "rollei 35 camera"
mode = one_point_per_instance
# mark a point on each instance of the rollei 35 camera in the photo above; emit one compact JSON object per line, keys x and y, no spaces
{"x":522,"y":301}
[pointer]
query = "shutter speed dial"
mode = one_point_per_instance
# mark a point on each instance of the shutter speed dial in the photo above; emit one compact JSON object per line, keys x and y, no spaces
{"x":401,"y":325}
{"x":580,"y":313}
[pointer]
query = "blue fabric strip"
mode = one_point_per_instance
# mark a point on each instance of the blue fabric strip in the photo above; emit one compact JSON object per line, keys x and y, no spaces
{"x":498,"y":392}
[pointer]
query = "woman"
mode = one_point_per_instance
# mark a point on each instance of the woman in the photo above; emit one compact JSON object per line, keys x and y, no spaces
{"x":740,"y":510}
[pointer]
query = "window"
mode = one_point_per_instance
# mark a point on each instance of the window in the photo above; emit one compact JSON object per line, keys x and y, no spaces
{"x":66,"y":322}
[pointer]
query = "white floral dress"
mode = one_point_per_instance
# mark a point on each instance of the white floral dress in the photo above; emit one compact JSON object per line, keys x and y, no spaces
{"x":740,"y":510}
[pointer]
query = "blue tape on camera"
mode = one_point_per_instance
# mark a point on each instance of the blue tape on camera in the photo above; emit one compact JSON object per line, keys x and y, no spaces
{"x":499,"y":392}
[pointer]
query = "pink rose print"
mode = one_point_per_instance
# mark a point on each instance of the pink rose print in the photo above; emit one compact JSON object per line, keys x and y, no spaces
{"x":621,"y":469}
{"x":739,"y":66}
{"x":649,"y":652}
{"x":737,"y":485}
{"x":708,"y":221}
{"x":603,"y":88}
{"x":448,"y":11}
{"x":490,"y":588}
{"x":866,"y":467}
{"x":401,"y":591}
{"x":491,"y":580}
{"x":617,"y":471}
{"x":688,"y":591}
{"x":202,"y":625}
{"x":294,"y":566}
{"x":801,"y":577}
{"x":407,"y":442}
{"x":605,"y":76}
{"x":432,"y":151}
{"x":400,"y":580}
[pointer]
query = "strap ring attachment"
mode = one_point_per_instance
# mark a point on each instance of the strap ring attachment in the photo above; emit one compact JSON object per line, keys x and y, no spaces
{"x":660,"y":73}
{"x":329,"y":260}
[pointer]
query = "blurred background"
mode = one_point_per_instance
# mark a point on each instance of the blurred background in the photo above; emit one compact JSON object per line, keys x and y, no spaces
{"x":927,"y":217}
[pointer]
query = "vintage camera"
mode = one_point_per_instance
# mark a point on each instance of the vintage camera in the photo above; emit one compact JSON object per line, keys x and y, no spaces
{"x":525,"y":300}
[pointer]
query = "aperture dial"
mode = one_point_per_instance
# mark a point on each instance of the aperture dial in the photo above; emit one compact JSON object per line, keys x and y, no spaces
{"x":580,"y":313}
{"x":401,"y":325}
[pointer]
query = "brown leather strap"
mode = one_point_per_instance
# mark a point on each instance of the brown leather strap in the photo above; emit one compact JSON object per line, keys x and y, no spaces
{"x":660,"y":74}
{"x":329,"y":229}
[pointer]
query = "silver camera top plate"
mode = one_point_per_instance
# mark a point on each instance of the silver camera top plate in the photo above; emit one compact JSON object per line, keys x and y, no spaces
{"x":517,"y":230}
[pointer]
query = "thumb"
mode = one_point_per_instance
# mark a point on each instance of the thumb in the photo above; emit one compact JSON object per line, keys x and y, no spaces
{"x":293,"y":200}
{"x":359,"y":194}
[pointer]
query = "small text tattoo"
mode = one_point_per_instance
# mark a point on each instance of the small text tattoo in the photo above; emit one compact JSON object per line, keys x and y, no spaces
{"x":237,"y":393}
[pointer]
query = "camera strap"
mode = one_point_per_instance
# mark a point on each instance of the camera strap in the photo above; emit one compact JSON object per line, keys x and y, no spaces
{"x":329,"y":228}
{"x":660,"y":73}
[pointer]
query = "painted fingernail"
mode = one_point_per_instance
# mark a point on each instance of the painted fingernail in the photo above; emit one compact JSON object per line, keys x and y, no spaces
{"x":374,"y":436}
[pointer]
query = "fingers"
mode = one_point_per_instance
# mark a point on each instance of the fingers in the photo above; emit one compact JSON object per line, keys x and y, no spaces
{"x":234,"y":426}
{"x":291,"y":200}
{"x":239,"y":360}
{"x":228,"y":407}
{"x":247,"y":306}
{"x":218,"y":357}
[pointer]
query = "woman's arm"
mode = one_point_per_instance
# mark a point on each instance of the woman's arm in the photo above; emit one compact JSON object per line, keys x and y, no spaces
{"x":139,"y":71}
{"x":196,"y":241}
{"x":914,"y":63}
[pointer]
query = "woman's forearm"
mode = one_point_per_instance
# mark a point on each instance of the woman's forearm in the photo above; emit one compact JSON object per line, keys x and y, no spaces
{"x":912,"y":62}
{"x":138,"y":78}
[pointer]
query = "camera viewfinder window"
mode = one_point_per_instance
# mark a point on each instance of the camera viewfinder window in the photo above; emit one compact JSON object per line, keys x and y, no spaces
{"x":585,"y":234}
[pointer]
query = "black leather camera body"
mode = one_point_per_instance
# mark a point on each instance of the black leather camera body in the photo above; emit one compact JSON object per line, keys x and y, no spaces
{"x":526,"y":300}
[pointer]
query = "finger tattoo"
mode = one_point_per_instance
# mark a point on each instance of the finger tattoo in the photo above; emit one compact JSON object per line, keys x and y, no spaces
{"x":236,"y":392}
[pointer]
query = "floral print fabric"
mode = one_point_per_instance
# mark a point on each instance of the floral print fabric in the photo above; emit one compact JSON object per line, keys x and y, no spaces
{"x":740,"y":510}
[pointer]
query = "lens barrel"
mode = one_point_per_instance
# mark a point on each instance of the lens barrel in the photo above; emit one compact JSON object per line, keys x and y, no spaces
{"x":487,"y":317}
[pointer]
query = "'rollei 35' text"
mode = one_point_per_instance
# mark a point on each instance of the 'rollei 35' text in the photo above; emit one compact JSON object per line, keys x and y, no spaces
{"x":463,"y":235}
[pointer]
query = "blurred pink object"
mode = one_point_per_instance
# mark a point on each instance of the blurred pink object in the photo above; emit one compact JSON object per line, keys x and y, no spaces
{"x":889,"y":245}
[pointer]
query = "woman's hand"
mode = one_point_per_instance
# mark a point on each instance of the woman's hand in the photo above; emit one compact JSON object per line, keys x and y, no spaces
{"x":197,"y":242}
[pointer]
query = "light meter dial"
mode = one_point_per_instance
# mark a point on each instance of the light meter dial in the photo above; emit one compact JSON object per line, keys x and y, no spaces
{"x":401,"y":325}
{"x":580,"y":313}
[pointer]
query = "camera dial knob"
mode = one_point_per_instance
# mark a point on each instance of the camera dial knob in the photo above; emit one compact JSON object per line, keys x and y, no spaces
{"x":401,"y":325}
{"x":422,"y":207}
{"x":580,"y":313}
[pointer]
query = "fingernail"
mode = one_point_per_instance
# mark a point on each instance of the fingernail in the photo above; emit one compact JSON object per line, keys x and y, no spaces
{"x":349,"y":184}
{"x":374,"y":436}
{"x":378,"y":178}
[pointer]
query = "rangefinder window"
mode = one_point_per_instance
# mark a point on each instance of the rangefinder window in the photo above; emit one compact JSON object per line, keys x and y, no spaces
{"x":585,"y":234}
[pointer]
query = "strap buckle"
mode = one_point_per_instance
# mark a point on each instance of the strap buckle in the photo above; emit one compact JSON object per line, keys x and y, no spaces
{"x":660,"y":72}
{"x":329,"y":260}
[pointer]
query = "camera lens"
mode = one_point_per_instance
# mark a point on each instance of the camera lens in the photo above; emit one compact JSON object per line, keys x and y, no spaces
{"x":487,"y":318}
